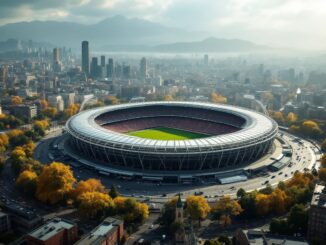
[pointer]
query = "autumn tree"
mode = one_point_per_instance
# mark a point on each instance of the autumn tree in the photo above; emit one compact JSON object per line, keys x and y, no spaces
{"x":50,"y":112}
{"x":26,"y":182}
{"x":323,"y":160}
{"x":44,"y":104}
{"x":218,"y":98}
{"x":322,"y":174}
{"x":225,"y":208}
{"x":277,"y":116}
{"x":168,"y":97}
{"x":113,"y":192}
{"x":263,"y":204}
{"x":131,"y":210}
{"x":16,"y":100}
{"x":2,"y":162}
{"x":197,"y":207}
{"x":168,"y":212}
{"x":90,"y":185}
{"x":111,"y":100}
{"x":40,"y":126}
{"x":55,"y":183}
{"x":323,"y":145}
{"x":291,"y":118}
{"x":71,"y":110}
{"x":4,"y":142}
{"x":279,"y":201}
{"x":94,"y":204}
{"x":311,"y":128}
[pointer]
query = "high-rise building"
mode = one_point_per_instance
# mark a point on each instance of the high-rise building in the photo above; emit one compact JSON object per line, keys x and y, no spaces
{"x":102,"y":60}
{"x":143,"y":68}
{"x":85,"y":57}
{"x":3,"y":77}
{"x":56,"y":55}
{"x":206,"y":59}
{"x":110,"y":68}
{"x":94,"y":67}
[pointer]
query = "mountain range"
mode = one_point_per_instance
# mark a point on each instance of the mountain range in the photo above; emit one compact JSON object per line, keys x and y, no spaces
{"x":119,"y":33}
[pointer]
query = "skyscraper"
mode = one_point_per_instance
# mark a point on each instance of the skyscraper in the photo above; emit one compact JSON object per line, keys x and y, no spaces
{"x":94,"y":68}
{"x":102,"y":60}
{"x":56,"y":55}
{"x":110,"y":68}
{"x":85,"y":57}
{"x":143,"y":68}
{"x":206,"y":60}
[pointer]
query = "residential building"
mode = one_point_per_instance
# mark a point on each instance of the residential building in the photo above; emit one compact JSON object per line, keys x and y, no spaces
{"x":109,"y":232}
{"x":56,"y":101}
{"x":27,"y":112}
{"x":317,"y":215}
{"x":5,"y":224}
{"x":55,"y":232}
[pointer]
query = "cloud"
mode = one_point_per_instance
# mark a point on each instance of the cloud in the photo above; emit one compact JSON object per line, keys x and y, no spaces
{"x":295,"y":23}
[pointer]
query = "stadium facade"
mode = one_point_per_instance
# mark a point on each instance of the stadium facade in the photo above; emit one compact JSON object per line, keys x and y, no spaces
{"x":235,"y":137}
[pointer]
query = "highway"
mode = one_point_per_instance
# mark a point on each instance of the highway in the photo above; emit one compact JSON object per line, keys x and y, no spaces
{"x":304,"y":156}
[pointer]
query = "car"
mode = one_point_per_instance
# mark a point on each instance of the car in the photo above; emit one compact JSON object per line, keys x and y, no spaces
{"x":164,"y":195}
{"x":273,"y":177}
{"x":266,"y":182}
{"x":198,"y":193}
{"x":285,"y":175}
{"x":280,"y":173}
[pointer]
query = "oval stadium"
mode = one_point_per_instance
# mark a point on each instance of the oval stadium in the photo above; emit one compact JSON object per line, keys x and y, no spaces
{"x":171,"y":138}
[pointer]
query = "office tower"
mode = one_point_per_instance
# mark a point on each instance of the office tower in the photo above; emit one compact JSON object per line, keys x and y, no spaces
{"x":102,"y":60}
{"x":206,"y":59}
{"x":56,"y":55}
{"x":94,"y":67}
{"x":3,"y":77}
{"x":126,"y":70}
{"x":85,"y":57}
{"x":143,"y":68}
{"x":110,"y":68}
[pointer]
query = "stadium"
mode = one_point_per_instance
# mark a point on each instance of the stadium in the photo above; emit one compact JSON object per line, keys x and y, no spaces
{"x":171,"y":139}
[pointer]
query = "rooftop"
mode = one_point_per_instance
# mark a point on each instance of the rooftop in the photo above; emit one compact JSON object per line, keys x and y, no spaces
{"x":51,"y":228}
{"x":319,"y":196}
{"x":101,"y":231}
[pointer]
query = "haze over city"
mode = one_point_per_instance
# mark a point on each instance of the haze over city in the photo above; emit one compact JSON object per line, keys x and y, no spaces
{"x":162,"y":122}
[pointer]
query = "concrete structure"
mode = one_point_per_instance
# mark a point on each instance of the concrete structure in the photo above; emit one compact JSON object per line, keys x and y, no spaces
{"x":27,"y":112}
{"x":68,"y":99}
{"x":85,"y":57}
{"x":5,"y":224}
{"x":109,"y":232}
{"x":57,"y":231}
{"x":258,"y":237}
{"x":56,"y":101}
{"x":238,"y":138}
{"x":317,"y":215}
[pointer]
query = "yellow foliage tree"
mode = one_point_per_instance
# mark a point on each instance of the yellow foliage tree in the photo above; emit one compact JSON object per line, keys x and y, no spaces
{"x":50,"y":112}
{"x":300,"y":179}
{"x":263,"y":204}
{"x":228,"y":207}
{"x":16,"y":100}
{"x":131,"y":210}
{"x":71,"y":110}
{"x":14,"y":133}
{"x":291,"y":117}
{"x":197,"y":207}
{"x":4,"y":142}
{"x":310,"y":127}
{"x":17,"y":153}
{"x":279,"y":201}
{"x":218,"y":98}
{"x":44,"y":104}
{"x":94,"y":204}
{"x":111,"y":100}
{"x":26,"y":181}
{"x":55,"y":183}
{"x":168,"y":97}
{"x":90,"y":185}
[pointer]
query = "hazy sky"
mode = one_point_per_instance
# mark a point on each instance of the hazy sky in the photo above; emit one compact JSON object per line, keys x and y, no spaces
{"x":289,"y":23}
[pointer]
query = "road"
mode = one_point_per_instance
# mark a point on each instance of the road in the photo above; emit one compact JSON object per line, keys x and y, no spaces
{"x":303,"y":157}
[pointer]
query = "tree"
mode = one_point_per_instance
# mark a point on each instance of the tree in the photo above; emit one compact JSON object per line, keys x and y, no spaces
{"x":291,"y":118}
{"x":40,"y":126}
{"x":71,"y":110}
{"x":111,"y":100}
{"x":89,"y":185}
{"x":168,"y":212}
{"x":241,"y":193}
{"x":16,"y":100}
{"x":26,"y":182}
{"x":298,"y":219}
{"x":248,"y":203}
{"x":113,"y":192}
{"x":311,"y":128}
{"x":2,"y":162}
{"x":131,"y":210}
{"x":277,"y":116}
{"x":218,"y":98}
{"x":323,"y":160}
{"x":50,"y":112}
{"x":4,"y":142}
{"x":55,"y":183}
{"x":279,"y":201}
{"x":44,"y":104}
{"x":168,"y":97}
{"x":227,"y":207}
{"x":94,"y":204}
{"x":323,"y":145}
{"x":197,"y":207}
{"x":322,"y":174}
{"x":263,"y":204}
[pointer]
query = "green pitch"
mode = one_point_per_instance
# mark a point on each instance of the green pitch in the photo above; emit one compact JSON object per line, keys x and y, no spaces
{"x":162,"y":133}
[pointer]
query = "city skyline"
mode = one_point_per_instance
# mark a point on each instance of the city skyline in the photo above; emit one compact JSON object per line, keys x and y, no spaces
{"x":276,"y":23}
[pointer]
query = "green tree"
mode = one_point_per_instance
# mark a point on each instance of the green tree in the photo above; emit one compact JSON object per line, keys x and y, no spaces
{"x":113,"y":192}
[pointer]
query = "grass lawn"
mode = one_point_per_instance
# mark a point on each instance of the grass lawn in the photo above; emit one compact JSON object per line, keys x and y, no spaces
{"x":162,"y":133}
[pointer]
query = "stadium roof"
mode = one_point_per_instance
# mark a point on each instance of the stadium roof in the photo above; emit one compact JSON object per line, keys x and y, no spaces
{"x":257,"y":127}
